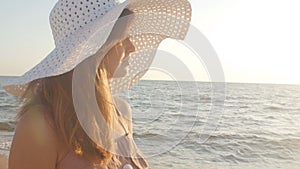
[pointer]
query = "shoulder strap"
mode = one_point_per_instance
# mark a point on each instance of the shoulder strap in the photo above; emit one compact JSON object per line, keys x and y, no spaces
{"x":121,"y":121}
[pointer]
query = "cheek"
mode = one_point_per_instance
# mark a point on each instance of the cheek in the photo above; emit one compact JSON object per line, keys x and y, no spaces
{"x":119,"y":55}
{"x":113,"y":59}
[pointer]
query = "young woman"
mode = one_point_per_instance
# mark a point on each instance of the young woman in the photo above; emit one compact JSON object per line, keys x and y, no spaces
{"x":49,"y":133}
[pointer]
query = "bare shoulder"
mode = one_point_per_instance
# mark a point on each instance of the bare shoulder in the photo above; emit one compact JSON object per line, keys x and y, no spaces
{"x":34,"y":144}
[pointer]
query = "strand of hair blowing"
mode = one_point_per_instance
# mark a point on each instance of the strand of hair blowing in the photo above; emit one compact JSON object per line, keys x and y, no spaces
{"x":54,"y":96}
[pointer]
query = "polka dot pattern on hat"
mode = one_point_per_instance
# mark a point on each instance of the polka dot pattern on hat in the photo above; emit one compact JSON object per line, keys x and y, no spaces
{"x":70,"y":15}
{"x":81,"y":27}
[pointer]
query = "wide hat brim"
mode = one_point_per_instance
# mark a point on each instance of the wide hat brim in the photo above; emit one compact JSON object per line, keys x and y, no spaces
{"x":154,"y":21}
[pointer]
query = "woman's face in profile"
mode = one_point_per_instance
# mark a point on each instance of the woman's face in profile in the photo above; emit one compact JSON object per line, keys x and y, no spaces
{"x":117,"y":59}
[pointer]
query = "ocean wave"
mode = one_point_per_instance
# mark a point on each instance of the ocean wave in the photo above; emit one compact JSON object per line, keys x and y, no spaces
{"x":148,"y":134}
{"x":277,"y":108}
{"x":245,"y":97}
{"x":7,"y":126}
{"x":230,"y":136}
{"x":245,"y":150}
{"x":177,"y":114}
{"x":5,"y":146}
{"x":205,"y":99}
{"x":7,"y":106}
{"x":291,"y":143}
{"x":3,"y":94}
{"x":274,"y":108}
{"x":233,"y":138}
{"x":232,"y":158}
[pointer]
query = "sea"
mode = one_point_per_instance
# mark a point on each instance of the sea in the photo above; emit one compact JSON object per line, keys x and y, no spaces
{"x":195,"y":125}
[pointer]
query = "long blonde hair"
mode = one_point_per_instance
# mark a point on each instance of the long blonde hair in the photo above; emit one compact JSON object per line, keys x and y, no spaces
{"x":54,"y":95}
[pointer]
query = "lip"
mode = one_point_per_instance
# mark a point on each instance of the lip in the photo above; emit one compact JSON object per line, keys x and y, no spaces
{"x":126,"y":59}
{"x":125,"y":62}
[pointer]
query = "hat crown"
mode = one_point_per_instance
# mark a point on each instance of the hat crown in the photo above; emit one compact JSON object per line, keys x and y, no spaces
{"x":68,"y":16}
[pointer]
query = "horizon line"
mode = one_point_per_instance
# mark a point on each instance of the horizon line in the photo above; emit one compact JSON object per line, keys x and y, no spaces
{"x":230,"y":82}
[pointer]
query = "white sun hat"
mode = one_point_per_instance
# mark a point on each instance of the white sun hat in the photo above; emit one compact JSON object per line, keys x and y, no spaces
{"x":81,"y":27}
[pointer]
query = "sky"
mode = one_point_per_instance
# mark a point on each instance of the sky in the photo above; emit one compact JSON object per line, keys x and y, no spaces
{"x":256,"y":41}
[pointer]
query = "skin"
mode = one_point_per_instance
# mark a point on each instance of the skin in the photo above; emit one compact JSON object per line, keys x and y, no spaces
{"x":116,"y":60}
{"x":36,"y":145}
